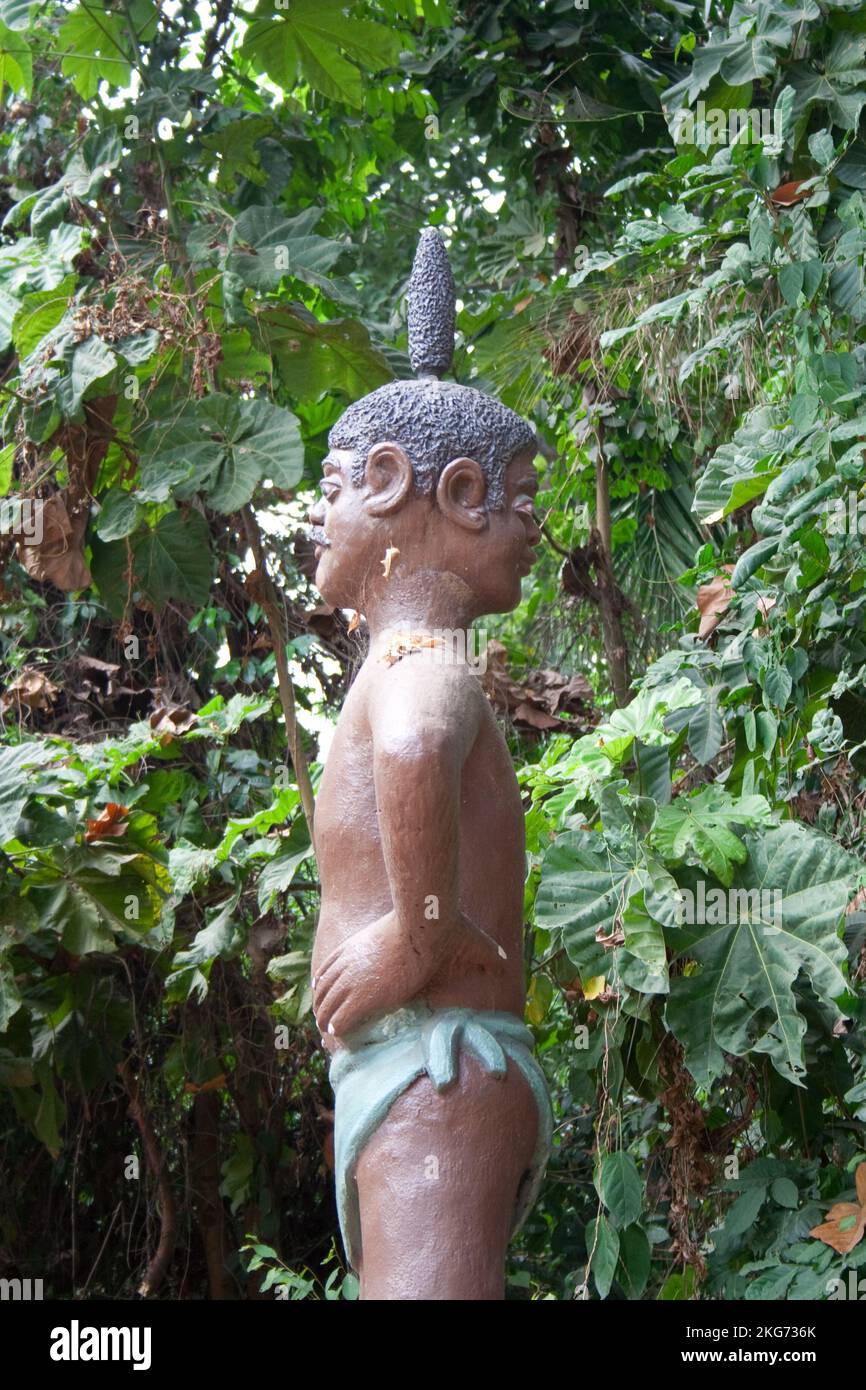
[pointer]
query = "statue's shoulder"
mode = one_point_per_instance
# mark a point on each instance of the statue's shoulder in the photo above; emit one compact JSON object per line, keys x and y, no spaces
{"x":422,"y":691}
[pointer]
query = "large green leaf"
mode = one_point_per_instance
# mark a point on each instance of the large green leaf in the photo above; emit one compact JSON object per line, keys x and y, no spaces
{"x":10,"y":999}
{"x":840,"y":84}
{"x":729,"y":481}
{"x":224,"y":447}
{"x":16,"y":62}
{"x":746,"y":53}
{"x":643,"y":963}
{"x":313,"y":41}
{"x":584,"y":891}
{"x":90,"y":897}
{"x":265,"y":246}
{"x":644,"y":718}
{"x":17,"y":762}
{"x":276,"y":814}
{"x":846,"y":280}
{"x":86,"y":364}
{"x":223,"y":718}
{"x":174,"y":559}
{"x":119,"y":515}
{"x":264,"y":441}
{"x":315,"y":357}
{"x":635,"y":1260}
{"x":86,"y":171}
{"x":602,"y":1239}
{"x":698,"y":829}
{"x":279,"y":872}
{"x":39,"y":314}
{"x":236,"y":144}
{"x":96,"y":48}
{"x":8,"y":310}
{"x":191,"y":967}
{"x":742,"y":999}
{"x":618,"y":1184}
{"x":50,"y":1112}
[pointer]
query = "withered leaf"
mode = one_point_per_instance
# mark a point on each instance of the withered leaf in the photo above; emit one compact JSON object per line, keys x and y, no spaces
{"x":171,"y":719}
{"x":789,"y":193}
{"x":614,"y":938}
{"x":846,"y":1221}
{"x":110,"y":825}
{"x":93,"y":663}
{"x":30,"y":688}
{"x":216,"y":1083}
{"x":58,"y":558}
{"x":537,"y":718}
{"x":713,"y":601}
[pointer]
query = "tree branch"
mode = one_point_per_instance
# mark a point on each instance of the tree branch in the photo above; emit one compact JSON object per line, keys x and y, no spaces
{"x":271,"y":608}
{"x":158,"y":1267}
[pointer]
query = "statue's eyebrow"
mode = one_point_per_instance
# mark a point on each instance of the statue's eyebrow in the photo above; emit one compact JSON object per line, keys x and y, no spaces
{"x":527,"y":481}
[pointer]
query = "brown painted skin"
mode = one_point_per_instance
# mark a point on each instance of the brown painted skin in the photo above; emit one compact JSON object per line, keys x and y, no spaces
{"x":418,"y":805}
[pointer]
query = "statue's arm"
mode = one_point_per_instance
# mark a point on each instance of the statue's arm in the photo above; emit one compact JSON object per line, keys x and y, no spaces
{"x":424,"y":720}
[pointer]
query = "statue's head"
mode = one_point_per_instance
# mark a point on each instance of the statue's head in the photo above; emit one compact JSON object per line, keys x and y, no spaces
{"x":439,"y":475}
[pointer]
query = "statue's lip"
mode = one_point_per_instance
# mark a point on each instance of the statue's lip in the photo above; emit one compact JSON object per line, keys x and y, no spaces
{"x":526,"y":562}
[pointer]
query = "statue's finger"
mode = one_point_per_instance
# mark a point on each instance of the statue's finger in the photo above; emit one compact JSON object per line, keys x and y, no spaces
{"x":326,"y":1015}
{"x":343,"y":1019}
{"x":326,"y":978}
{"x":329,"y":961}
{"x":335,"y":979}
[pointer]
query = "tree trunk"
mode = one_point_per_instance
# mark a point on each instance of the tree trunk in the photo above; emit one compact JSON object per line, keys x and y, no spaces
{"x":207,"y":1203}
{"x":158,"y":1267}
{"x":609,"y":597}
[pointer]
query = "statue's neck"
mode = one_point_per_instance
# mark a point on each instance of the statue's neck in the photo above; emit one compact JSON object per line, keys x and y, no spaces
{"x":421,"y":602}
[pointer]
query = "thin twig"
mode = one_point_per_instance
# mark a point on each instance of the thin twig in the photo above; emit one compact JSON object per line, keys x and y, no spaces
{"x":271,"y":609}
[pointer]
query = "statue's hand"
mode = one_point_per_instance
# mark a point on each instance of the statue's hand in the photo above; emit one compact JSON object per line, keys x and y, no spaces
{"x":381,"y":968}
{"x":372,"y":971}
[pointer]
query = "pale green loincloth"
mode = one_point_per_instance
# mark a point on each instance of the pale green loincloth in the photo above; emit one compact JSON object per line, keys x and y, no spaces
{"x":381,"y":1060}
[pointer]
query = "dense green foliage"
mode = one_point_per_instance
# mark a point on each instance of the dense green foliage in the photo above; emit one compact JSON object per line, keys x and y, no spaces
{"x":208,"y":215}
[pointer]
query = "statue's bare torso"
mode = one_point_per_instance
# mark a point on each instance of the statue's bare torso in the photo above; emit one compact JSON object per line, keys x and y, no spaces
{"x":355,"y":883}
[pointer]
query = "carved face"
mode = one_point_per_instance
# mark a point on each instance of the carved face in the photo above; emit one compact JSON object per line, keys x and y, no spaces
{"x":449,"y":531}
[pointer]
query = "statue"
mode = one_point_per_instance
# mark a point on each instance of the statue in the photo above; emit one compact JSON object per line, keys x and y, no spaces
{"x":442,"y":1118}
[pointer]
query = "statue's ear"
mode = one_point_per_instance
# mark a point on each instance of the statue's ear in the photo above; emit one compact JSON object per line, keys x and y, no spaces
{"x":389,"y":479}
{"x":460,"y":494}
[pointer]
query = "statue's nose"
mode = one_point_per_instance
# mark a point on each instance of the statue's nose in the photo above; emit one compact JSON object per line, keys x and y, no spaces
{"x":316,"y":514}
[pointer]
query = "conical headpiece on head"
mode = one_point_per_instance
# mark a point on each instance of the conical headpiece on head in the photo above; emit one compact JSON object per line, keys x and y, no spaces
{"x":434,"y":421}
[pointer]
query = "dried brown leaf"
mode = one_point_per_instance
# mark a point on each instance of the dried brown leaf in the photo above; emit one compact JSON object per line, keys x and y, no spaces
{"x":713,"y":601}
{"x":110,"y":825}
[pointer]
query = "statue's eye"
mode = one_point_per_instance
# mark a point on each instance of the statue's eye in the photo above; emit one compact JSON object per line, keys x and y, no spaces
{"x":329,"y":488}
{"x":524,"y":503}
